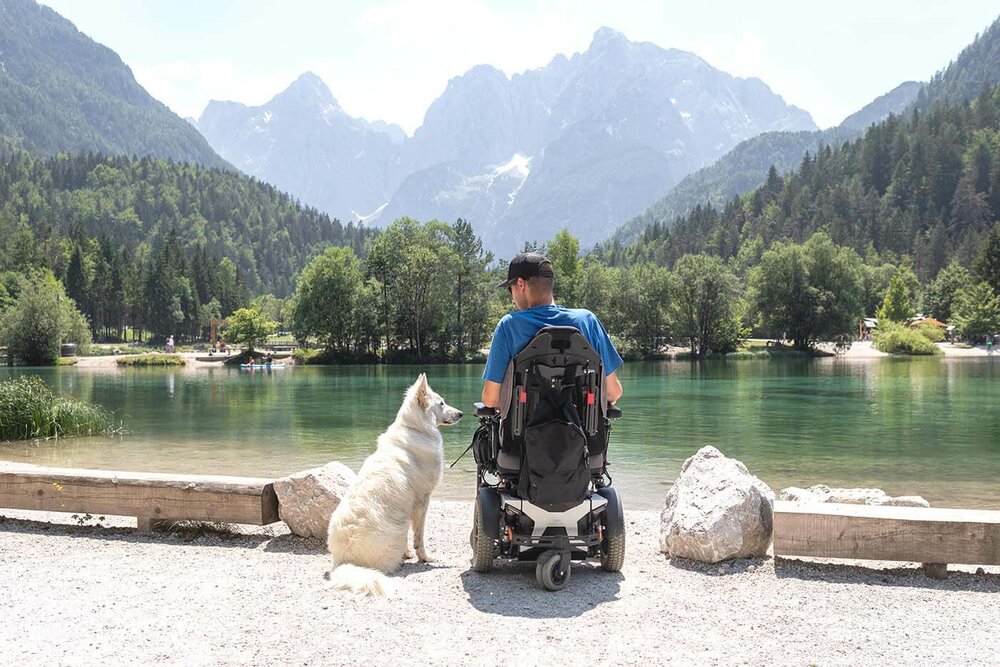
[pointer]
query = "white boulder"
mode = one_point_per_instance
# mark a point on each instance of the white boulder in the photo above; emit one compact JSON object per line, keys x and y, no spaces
{"x":821,"y":493}
{"x":716,"y":510}
{"x":307,"y":499}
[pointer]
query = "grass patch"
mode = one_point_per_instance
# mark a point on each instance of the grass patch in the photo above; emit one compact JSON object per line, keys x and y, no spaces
{"x":896,"y":338}
{"x":67,"y":361}
{"x":29,"y":409}
{"x":151,"y":360}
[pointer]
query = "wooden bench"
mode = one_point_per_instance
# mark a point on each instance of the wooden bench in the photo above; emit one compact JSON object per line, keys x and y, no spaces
{"x":934,"y":537}
{"x":150,"y":497}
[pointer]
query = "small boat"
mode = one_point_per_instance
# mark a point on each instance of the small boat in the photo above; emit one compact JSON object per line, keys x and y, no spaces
{"x":251,"y":367}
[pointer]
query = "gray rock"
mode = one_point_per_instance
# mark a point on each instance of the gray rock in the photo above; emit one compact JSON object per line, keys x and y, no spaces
{"x":821,"y":493}
{"x":716,"y":510}
{"x":307,"y":499}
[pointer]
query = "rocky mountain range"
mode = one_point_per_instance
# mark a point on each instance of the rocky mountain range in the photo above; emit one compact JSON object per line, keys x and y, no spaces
{"x":746,"y":167}
{"x":584,"y":143}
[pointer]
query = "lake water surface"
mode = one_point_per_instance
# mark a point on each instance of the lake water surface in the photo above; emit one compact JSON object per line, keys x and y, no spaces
{"x":910,"y":426}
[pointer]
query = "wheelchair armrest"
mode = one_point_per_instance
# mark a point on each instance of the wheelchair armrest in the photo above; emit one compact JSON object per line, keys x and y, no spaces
{"x":614,"y":412}
{"x":483,"y":411}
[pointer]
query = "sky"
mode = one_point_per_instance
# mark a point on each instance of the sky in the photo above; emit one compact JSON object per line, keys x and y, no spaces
{"x":389,"y":60}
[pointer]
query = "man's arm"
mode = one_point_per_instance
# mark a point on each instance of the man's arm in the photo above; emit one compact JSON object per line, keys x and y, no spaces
{"x":491,"y":394}
{"x":612,"y":388}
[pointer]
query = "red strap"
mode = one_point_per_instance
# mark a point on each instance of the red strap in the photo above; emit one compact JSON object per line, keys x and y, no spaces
{"x":590,"y":398}
{"x":523,"y":397}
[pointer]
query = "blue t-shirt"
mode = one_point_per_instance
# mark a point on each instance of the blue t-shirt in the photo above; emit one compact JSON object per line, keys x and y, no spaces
{"x":517,"y":328}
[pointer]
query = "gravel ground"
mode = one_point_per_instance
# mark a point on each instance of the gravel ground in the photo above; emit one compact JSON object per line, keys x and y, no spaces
{"x":74,"y":594}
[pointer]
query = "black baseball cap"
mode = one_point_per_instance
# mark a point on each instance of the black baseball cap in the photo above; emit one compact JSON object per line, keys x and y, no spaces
{"x":527,"y":265}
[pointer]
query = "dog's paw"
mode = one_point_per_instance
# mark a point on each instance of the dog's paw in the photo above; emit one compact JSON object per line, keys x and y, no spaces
{"x":425,"y":557}
{"x":407,"y":554}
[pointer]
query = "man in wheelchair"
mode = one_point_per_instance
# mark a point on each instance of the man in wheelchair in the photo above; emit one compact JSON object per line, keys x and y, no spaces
{"x":544,"y":492}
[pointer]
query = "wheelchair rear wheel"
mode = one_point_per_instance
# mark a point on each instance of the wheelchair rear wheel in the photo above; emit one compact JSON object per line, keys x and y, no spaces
{"x":482,"y":544}
{"x":613,"y":544}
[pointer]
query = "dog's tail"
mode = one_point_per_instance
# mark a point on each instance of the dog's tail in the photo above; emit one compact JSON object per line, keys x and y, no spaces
{"x":360,"y":580}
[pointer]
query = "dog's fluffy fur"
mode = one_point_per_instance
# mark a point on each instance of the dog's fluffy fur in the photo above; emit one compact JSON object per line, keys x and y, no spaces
{"x":368,"y":530}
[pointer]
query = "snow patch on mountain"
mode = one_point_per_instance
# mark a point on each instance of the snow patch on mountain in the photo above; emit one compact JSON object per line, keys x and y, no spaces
{"x":519,"y":164}
{"x":371,"y":217}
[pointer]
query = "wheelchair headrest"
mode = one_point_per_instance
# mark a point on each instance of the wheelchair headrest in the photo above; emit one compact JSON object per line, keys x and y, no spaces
{"x":558,"y":346}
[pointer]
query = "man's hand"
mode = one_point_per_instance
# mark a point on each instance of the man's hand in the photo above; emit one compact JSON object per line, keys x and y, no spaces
{"x":612,"y":387}
{"x":491,"y":394}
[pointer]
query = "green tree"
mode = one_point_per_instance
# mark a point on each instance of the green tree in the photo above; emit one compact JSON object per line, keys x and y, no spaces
{"x":276,"y":308}
{"x":6,"y":301}
{"x":987,"y":264}
{"x":564,"y":251}
{"x":472,"y":286}
{"x":704,"y":304}
{"x":639,"y":308}
{"x":326,"y":299}
{"x":810,"y":291}
{"x":249,"y":326}
{"x":41,"y":319}
{"x":76,"y":278}
{"x":977,"y":311}
{"x":939,"y":297}
{"x":897,"y":306}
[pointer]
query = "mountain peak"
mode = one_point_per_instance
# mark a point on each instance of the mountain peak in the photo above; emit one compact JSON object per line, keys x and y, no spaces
{"x":606,"y":38}
{"x":309,"y":88}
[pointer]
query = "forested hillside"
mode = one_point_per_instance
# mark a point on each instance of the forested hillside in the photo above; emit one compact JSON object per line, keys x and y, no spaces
{"x":746,"y":166}
{"x":978,"y":66}
{"x":97,"y":222}
{"x":62,"y":92}
{"x":927,"y":185}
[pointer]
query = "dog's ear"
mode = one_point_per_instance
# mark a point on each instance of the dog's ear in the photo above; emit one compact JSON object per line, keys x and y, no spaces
{"x":422,"y":389}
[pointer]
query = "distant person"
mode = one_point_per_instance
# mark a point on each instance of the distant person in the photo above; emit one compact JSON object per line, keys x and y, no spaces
{"x":989,"y":345}
{"x":530,"y":281}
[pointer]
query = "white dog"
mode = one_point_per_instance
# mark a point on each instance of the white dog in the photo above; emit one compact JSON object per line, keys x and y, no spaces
{"x":368,"y":530}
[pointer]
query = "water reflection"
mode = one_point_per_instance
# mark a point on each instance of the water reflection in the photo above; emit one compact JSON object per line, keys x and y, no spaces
{"x":929,"y":426}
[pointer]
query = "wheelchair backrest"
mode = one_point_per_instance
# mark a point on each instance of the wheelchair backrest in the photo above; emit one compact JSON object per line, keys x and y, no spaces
{"x":557,"y":361}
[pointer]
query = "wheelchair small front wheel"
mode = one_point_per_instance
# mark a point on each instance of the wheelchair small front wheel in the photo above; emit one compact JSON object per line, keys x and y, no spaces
{"x":549,"y":571}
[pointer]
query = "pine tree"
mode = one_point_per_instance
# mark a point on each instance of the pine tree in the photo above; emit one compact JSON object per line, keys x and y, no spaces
{"x":896,"y":307}
{"x":987,"y":265}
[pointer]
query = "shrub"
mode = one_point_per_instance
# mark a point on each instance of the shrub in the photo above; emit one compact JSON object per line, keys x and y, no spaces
{"x":305,"y":355}
{"x":151,"y":360}
{"x":28,"y":409}
{"x":932,"y":333}
{"x":896,"y":338}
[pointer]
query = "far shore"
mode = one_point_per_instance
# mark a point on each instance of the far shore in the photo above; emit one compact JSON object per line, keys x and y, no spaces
{"x":858,"y":350}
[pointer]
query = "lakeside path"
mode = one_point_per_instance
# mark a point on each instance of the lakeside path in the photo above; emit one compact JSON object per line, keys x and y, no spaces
{"x":865,"y":350}
{"x":858,"y":350}
{"x":87,"y":595}
{"x":190,"y":361}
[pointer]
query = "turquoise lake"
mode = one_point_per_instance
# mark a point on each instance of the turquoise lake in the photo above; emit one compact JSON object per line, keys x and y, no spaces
{"x":929,"y":427}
